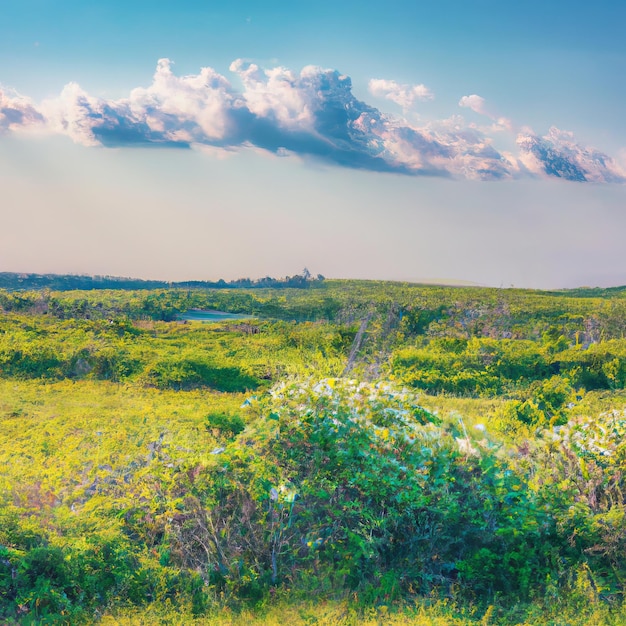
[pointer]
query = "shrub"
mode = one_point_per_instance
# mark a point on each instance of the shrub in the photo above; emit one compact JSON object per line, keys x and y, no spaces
{"x":357,"y":484}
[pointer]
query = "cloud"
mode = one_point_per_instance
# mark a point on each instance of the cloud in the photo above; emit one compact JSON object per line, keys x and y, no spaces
{"x":558,"y":155}
{"x":276,"y":94}
{"x":478,"y":104}
{"x":198,"y":107}
{"x":74,"y":113}
{"x":312,"y":113}
{"x":475,"y":103}
{"x":174,"y":111}
{"x":444,"y":149}
{"x":17,"y":112}
{"x":315,"y":112}
{"x":404,"y":95}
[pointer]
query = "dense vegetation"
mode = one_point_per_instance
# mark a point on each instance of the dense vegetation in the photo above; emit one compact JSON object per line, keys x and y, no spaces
{"x":368,"y":444}
{"x":67,"y":282}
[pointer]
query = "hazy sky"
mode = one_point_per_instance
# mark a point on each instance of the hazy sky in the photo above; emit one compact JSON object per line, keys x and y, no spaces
{"x":465,"y":139}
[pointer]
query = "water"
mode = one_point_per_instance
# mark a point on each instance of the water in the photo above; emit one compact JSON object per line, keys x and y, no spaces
{"x":199,"y":315}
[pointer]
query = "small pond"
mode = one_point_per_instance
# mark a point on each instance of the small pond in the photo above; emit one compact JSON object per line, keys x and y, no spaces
{"x":202,"y":315}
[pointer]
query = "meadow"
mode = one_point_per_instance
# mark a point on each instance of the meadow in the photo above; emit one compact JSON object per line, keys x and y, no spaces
{"x":401,"y":453}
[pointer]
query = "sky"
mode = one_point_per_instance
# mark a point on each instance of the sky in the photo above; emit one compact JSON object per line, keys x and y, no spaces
{"x":463,"y":140}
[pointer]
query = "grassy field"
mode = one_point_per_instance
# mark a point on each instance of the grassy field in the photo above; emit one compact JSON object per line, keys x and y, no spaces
{"x":360,"y":453}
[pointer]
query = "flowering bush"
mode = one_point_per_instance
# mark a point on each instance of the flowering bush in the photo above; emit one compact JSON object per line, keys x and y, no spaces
{"x":579,"y":472}
{"x":339,"y":484}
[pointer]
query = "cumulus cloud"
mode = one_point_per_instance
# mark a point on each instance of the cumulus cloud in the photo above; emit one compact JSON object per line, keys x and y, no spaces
{"x":557,"y":154}
{"x":17,"y":112}
{"x":402,"y":94}
{"x":474,"y":102}
{"x":276,"y":94}
{"x":74,"y":113}
{"x":311,"y":113}
{"x":444,"y":149}
{"x":198,"y":107}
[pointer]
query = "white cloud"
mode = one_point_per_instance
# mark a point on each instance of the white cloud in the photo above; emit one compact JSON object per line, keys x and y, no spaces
{"x":73,"y":113}
{"x":176,"y":110}
{"x":17,"y":112}
{"x":312,"y":113}
{"x":558,"y":155}
{"x":277,"y":93}
{"x":474,"y":102}
{"x":190,"y":108}
{"x":478,"y":104}
{"x":402,"y":94}
{"x":445,"y":149}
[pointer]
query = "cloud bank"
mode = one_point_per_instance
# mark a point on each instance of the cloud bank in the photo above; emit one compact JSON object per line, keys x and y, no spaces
{"x":312,"y":113}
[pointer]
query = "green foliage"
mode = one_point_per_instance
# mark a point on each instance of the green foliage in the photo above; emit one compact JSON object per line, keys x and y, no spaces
{"x":224,"y":423}
{"x":224,"y":357}
{"x":357,"y":484}
{"x":582,"y":480}
{"x":191,"y":373}
{"x":130,"y":473}
{"x":545,"y":403}
{"x":600,"y":366}
{"x":479,"y":366}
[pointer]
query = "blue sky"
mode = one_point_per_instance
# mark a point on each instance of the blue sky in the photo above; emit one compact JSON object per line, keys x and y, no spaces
{"x":467,"y":140}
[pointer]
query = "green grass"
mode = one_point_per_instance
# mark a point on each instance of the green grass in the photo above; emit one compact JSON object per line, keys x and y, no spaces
{"x":334,"y":613}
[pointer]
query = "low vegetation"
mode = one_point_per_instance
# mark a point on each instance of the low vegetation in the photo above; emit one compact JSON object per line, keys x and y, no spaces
{"x":400,"y":453}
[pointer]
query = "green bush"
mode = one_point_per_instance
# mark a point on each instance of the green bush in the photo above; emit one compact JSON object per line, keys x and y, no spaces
{"x":223,"y":423}
{"x":189,"y":373}
{"x":357,"y":484}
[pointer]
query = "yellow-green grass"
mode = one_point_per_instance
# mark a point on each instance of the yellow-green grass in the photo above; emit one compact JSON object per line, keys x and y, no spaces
{"x":336,"y":613}
{"x":60,"y":436}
